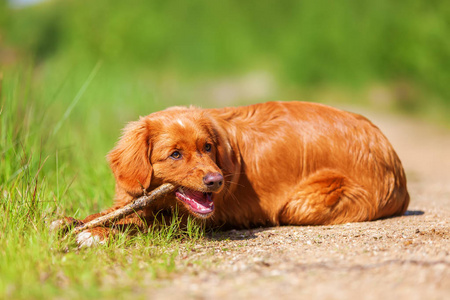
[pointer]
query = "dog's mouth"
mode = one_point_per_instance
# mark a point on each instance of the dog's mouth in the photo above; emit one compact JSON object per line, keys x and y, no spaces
{"x":199,"y":203}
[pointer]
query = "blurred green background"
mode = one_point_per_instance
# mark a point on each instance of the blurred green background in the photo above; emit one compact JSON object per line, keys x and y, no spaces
{"x":74,"y":72}
{"x":226,"y":52}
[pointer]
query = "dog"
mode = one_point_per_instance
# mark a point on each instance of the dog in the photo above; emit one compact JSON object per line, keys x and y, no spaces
{"x":269,"y":164}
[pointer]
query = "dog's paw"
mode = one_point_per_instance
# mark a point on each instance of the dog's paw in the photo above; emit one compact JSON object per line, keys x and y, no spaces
{"x":56,"y":225}
{"x":62,"y":226}
{"x":92,"y":237}
{"x":86,"y":239}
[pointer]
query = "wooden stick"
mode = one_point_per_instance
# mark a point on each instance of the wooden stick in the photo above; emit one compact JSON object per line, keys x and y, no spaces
{"x":138,"y":204}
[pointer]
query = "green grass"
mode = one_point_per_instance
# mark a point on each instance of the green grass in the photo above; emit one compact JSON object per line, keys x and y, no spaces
{"x":52,"y":164}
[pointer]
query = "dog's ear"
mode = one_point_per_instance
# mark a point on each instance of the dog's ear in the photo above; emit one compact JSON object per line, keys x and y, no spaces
{"x":224,"y":157}
{"x":227,"y":157}
{"x":130,"y":161}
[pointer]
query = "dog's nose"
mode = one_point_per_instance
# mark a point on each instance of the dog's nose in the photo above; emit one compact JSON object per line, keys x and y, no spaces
{"x":213,"y":181}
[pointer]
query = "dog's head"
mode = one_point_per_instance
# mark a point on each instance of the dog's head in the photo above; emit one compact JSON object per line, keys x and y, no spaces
{"x":181,"y":146}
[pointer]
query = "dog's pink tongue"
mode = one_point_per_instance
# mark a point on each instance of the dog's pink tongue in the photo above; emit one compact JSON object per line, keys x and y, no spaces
{"x":198,"y":201}
{"x":198,"y":196}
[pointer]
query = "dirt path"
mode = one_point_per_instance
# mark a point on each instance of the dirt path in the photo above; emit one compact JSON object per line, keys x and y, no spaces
{"x":398,"y":258}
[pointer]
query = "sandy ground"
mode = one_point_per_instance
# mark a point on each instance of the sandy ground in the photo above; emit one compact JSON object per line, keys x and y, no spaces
{"x":399,"y":258}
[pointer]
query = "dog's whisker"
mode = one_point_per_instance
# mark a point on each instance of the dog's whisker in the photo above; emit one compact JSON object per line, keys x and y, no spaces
{"x":229,"y":182}
{"x":233,"y":174}
{"x":227,"y":190}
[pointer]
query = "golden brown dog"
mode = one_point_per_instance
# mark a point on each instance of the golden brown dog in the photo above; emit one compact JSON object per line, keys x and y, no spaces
{"x":277,"y":163}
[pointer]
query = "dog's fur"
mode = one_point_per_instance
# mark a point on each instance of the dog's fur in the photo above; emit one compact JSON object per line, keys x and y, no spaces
{"x":281,"y":163}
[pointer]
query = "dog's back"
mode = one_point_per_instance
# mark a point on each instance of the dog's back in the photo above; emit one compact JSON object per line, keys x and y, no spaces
{"x":304,"y":163}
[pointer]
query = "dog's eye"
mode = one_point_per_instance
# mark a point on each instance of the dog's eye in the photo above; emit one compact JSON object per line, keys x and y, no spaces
{"x":208,"y":147}
{"x":176,"y":155}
